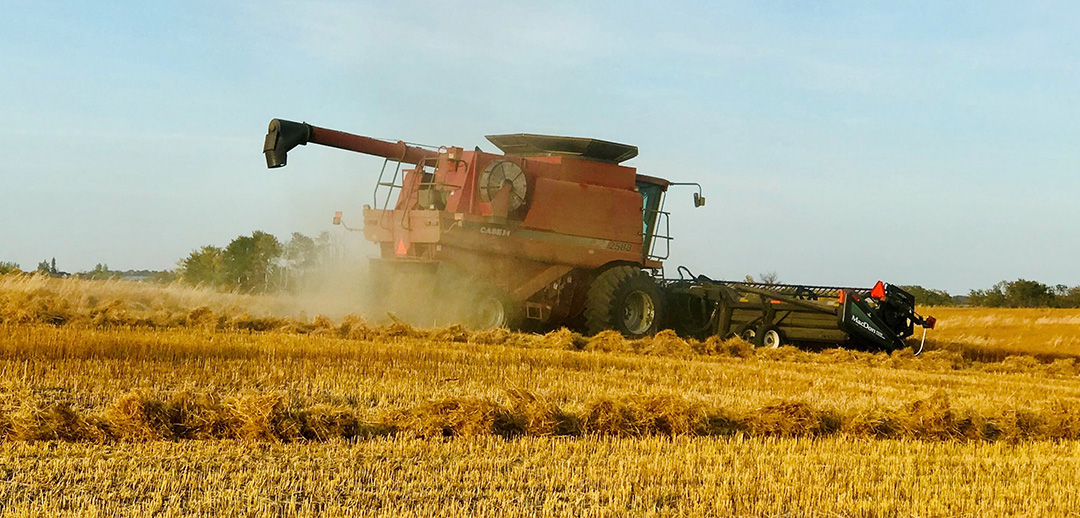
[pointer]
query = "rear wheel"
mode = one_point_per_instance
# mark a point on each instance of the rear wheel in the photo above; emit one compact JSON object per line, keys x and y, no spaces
{"x":491,"y":309}
{"x":625,"y":299}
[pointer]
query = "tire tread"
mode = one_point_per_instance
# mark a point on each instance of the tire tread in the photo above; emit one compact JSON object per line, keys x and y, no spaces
{"x":599,"y":310}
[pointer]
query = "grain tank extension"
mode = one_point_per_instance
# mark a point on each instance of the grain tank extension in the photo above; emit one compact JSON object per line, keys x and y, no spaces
{"x":555,"y":231}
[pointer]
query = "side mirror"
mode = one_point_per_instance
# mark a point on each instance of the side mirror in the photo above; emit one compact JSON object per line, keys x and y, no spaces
{"x":699,"y":199}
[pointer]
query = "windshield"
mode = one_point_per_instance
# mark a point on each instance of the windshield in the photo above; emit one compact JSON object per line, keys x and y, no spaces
{"x":650,"y":206}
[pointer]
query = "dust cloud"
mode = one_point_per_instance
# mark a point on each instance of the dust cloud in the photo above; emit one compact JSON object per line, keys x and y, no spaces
{"x":355,"y":282}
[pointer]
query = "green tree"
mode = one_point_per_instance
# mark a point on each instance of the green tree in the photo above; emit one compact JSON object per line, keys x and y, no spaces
{"x":8,"y":267}
{"x":101,"y":272}
{"x":251,"y":262}
{"x":1016,"y":294}
{"x":930,"y":297}
{"x":164,"y":276}
{"x":204,"y":267}
{"x":301,"y":258}
{"x":1028,"y":294}
{"x":301,"y":253}
{"x":993,"y":297}
{"x":1071,"y":298}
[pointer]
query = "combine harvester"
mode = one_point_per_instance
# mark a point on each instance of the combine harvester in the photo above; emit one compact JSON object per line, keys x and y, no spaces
{"x":555,"y":232}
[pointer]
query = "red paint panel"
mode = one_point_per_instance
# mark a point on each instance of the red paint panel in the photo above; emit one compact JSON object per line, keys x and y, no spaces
{"x":578,"y":170}
{"x":510,"y":249}
{"x":585,"y":210}
{"x":410,"y":188}
{"x":460,"y":177}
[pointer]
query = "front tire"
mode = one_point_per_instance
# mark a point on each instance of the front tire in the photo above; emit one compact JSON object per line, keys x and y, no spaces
{"x":625,"y":299}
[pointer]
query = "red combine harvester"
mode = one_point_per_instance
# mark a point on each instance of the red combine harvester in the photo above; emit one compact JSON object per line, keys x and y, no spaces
{"x":555,"y":231}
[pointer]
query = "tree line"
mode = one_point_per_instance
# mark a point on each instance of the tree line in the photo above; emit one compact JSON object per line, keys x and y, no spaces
{"x":1020,"y":293}
{"x":258,"y":263}
{"x":100,"y":272}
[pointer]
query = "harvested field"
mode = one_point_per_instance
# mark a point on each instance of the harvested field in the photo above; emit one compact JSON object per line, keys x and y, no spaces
{"x":544,"y":477}
{"x":193,"y":383}
{"x":256,"y":404}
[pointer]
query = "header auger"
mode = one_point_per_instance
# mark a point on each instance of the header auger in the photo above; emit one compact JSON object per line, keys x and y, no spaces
{"x":555,"y":231}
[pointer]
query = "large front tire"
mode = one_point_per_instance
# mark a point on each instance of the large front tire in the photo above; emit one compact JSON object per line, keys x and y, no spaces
{"x":625,"y":299}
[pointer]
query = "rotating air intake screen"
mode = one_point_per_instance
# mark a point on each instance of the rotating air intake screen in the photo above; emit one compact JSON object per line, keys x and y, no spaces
{"x":502,"y":172}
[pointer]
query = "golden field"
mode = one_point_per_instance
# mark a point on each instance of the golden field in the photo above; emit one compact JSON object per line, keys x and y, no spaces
{"x":1044,"y":332}
{"x":487,"y":476}
{"x":124,"y":398}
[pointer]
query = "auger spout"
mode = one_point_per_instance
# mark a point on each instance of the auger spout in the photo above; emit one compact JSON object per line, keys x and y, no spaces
{"x":283,"y":136}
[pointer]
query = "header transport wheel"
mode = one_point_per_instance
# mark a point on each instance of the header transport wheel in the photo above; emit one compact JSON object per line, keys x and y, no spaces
{"x":625,"y":299}
{"x":768,"y":339}
{"x":691,"y":316}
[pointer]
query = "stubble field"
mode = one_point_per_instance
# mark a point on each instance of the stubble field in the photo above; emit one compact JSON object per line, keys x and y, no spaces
{"x":118,"y":398}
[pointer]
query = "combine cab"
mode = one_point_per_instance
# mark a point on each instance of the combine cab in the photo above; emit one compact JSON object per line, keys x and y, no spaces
{"x":555,"y":231}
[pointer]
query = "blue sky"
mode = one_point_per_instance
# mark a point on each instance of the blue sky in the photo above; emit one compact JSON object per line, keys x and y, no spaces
{"x":838,"y":142}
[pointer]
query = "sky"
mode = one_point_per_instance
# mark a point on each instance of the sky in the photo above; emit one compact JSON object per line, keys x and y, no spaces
{"x":930,"y":143}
